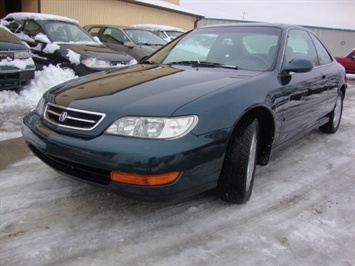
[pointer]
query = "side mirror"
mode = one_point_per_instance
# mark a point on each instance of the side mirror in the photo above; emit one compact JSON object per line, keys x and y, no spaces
{"x":298,"y":66}
{"x":352,"y":57}
{"x":129,"y":44}
{"x":41,"y":38}
{"x":96,"y":39}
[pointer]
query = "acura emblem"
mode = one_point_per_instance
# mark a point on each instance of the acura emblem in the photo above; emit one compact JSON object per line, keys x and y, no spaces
{"x":63,"y":116}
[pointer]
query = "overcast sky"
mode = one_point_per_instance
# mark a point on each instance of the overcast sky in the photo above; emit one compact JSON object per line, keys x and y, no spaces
{"x":323,"y":13}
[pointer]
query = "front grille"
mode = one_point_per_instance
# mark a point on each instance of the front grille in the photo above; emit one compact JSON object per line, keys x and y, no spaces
{"x":72,"y":118}
{"x":7,"y":54}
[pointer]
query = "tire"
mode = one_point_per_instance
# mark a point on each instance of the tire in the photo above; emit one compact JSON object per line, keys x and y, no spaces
{"x":334,"y":116}
{"x":237,"y":176}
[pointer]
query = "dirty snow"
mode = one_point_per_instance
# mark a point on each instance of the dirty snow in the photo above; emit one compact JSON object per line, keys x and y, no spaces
{"x":301,"y":211}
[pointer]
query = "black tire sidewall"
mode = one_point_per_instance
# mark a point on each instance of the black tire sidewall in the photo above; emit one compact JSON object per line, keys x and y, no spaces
{"x":330,"y":127}
{"x":233,"y":180}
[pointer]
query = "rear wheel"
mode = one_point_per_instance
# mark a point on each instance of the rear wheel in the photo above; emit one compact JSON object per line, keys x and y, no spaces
{"x":236,"y":181}
{"x":334,"y":116}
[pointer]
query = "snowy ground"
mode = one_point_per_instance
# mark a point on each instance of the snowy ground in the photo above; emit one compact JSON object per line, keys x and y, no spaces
{"x":302,"y":211}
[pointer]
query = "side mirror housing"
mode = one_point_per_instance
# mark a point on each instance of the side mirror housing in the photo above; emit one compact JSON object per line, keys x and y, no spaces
{"x":298,"y":66}
{"x":129,"y":44}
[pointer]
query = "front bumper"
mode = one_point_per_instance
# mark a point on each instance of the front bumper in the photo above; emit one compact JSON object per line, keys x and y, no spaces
{"x":199,"y":158}
{"x":15,"y":79}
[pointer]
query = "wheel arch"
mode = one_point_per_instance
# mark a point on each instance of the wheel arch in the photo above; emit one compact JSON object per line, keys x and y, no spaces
{"x":266,"y":134}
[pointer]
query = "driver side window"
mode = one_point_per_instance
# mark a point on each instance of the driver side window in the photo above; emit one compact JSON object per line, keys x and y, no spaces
{"x":32,"y":28}
{"x":113,"y":36}
{"x":300,"y":46}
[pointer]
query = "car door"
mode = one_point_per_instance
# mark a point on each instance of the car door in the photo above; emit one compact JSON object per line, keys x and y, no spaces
{"x":305,"y":94}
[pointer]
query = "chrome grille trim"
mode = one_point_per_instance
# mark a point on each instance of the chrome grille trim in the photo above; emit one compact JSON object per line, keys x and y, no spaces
{"x":75,"y":119}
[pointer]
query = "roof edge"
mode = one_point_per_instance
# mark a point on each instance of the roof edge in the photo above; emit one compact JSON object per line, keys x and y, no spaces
{"x":164,"y":6}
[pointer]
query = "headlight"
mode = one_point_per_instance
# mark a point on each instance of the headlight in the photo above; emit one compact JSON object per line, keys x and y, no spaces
{"x":153,"y":127}
{"x":22,"y":54}
{"x":40,"y":106}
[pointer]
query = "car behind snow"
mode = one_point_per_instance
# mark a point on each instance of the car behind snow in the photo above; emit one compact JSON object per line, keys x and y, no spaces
{"x":16,"y":65}
{"x":194,"y":116}
{"x":61,"y":41}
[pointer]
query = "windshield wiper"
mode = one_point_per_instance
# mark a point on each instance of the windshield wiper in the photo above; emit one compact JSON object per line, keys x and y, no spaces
{"x":149,"y":44}
{"x":149,"y":62}
{"x":203,"y":64}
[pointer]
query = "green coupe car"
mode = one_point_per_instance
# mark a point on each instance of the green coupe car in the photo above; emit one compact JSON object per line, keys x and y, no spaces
{"x":198,"y":114}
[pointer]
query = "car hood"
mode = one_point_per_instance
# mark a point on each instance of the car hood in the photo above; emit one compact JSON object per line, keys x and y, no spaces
{"x":155,"y":90}
{"x":12,"y":46}
{"x":96,"y":51}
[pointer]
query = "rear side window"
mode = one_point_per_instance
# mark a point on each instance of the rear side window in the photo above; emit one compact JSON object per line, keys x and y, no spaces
{"x":94,"y":31}
{"x":323,"y":55}
{"x":351,"y":55}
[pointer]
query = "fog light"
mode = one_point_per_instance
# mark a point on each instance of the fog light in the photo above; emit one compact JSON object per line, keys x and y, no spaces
{"x":144,"y":180}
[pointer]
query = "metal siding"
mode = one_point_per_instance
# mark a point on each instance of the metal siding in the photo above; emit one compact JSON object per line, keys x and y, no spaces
{"x":115,"y":12}
{"x":29,"y":5}
{"x":338,"y":42}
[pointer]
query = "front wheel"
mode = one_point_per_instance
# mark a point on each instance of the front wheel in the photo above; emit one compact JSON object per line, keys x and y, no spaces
{"x":237,"y":177}
{"x":334,"y":116}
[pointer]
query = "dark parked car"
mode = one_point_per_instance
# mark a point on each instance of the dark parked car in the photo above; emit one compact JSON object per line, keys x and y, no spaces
{"x":17,"y":68}
{"x":348,"y":62}
{"x":191,"y":117}
{"x":135,"y":42}
{"x":61,"y":41}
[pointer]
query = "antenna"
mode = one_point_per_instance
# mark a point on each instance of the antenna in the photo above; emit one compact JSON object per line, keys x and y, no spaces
{"x":244,"y":15}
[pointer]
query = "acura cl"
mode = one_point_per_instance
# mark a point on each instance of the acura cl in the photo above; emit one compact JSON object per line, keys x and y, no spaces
{"x":198,"y":114}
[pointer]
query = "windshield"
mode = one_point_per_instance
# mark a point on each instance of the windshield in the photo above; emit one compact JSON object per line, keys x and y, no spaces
{"x":145,"y":37}
{"x":245,"y":47}
{"x":58,"y":31}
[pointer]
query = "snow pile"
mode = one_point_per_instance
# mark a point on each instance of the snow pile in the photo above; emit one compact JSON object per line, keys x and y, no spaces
{"x":38,"y":16}
{"x":14,"y":106}
{"x":28,"y":98}
{"x":159,"y":27}
{"x":18,"y":63}
{"x":73,"y":57}
{"x":51,"y":48}
{"x":42,"y":38}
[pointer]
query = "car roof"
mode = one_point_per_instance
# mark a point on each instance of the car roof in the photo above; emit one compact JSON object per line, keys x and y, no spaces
{"x":87,"y":27}
{"x":113,"y":26}
{"x":155,"y":27}
{"x":38,"y":16}
{"x":256,"y":24}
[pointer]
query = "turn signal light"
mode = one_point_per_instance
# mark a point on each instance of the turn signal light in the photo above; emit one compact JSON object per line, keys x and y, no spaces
{"x":144,"y":180}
